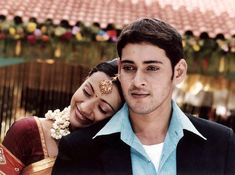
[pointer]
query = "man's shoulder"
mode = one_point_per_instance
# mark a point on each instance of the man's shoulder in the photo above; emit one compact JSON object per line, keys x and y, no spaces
{"x":209,"y":129}
{"x":214,"y":154}
{"x":87,"y":132}
{"x":80,"y":141}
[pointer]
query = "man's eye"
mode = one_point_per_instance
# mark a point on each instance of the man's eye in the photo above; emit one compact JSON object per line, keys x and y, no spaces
{"x":86,"y":93}
{"x":128,"y":68}
{"x":152,"y":68}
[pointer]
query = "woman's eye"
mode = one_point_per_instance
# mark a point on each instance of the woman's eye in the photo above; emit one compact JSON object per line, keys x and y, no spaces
{"x":86,"y":93}
{"x":152,"y":68}
{"x":102,"y":110}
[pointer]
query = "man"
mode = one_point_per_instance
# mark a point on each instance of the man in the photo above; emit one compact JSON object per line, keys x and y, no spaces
{"x":150,"y":134}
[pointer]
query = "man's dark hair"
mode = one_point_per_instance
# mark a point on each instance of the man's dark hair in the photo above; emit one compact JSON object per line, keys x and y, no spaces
{"x":155,"y":32}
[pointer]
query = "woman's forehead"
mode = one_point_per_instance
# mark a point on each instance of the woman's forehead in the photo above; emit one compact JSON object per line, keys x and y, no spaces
{"x":97,"y":77}
{"x":97,"y":81}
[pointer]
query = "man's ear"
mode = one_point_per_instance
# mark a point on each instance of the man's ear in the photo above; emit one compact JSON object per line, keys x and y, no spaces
{"x":180,"y":71}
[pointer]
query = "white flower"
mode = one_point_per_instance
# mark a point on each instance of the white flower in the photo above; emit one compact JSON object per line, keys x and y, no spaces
{"x":60,"y":127}
{"x":54,"y":125}
{"x":52,"y":131}
{"x":67,"y":123}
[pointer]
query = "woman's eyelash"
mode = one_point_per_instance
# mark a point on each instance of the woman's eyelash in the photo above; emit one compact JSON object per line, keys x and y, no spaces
{"x":101,"y":110}
{"x":86,"y":93}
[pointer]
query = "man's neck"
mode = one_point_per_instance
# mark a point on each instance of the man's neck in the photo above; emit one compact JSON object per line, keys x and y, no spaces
{"x":152,"y":128}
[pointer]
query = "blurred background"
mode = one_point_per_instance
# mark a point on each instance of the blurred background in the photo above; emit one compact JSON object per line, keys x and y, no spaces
{"x":48,"y":46}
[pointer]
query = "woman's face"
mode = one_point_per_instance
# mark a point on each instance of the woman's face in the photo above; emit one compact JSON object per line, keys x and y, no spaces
{"x":90,"y":104}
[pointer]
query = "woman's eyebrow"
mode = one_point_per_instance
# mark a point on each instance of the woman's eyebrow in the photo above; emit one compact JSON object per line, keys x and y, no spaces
{"x":91,"y":87}
{"x":101,"y":99}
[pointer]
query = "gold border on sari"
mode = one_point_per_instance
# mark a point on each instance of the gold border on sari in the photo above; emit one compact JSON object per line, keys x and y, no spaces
{"x":43,"y":142}
{"x":41,"y":167}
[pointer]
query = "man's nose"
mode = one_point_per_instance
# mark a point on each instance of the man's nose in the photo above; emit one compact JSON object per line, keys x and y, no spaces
{"x":139,"y":79}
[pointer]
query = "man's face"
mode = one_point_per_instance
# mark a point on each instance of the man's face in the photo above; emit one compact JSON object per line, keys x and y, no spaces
{"x":145,"y":75}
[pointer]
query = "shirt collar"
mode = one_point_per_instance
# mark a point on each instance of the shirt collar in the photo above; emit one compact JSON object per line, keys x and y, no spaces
{"x":115,"y":123}
{"x":120,"y":119}
{"x":183,"y":121}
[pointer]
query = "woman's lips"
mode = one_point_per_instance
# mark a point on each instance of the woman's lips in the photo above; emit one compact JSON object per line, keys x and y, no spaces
{"x":81,"y":118}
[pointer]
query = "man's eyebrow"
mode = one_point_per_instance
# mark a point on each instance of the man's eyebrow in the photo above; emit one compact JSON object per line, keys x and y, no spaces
{"x":107,"y":104}
{"x":152,"y":61}
{"x":145,"y":62}
{"x":127,"y":61}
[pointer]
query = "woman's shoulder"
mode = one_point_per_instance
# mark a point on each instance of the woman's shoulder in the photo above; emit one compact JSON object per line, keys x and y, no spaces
{"x":25,"y":121}
{"x":19,"y":137}
{"x":23,"y":125}
{"x":20,"y":129}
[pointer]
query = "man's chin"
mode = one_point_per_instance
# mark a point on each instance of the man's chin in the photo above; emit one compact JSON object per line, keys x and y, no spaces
{"x":138,"y":110}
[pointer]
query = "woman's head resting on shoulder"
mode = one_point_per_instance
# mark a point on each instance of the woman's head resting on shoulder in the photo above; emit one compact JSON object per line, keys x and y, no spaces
{"x":98,"y":98}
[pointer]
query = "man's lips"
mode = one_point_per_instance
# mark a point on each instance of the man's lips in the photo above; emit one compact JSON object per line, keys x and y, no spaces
{"x":139,"y":94}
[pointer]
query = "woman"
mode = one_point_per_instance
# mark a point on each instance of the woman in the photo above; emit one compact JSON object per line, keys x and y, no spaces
{"x":31,"y":143}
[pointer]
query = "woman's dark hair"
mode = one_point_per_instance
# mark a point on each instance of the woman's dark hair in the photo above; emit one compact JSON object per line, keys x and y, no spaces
{"x":110,"y":68}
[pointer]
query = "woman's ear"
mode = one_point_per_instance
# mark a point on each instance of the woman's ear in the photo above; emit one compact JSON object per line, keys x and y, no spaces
{"x":180,"y":71}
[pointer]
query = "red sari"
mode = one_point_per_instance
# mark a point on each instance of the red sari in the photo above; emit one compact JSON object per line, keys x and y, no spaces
{"x":25,"y":142}
{"x":9,"y":164}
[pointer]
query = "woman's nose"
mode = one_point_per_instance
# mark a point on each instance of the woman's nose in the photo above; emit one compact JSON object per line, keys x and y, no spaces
{"x":87,"y":108}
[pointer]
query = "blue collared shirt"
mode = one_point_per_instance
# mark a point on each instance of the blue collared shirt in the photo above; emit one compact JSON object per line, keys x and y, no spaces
{"x":141,"y":163}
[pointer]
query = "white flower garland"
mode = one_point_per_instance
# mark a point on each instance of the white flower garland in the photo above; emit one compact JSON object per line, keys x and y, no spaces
{"x":60,"y":126}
